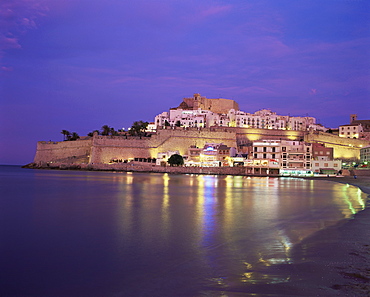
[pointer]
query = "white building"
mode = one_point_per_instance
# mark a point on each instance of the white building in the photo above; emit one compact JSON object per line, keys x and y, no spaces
{"x":322,"y":165}
{"x":162,"y":158}
{"x":351,"y":131}
{"x":262,"y":119}
{"x":280,"y":156}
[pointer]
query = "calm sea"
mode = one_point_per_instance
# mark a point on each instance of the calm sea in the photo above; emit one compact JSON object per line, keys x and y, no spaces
{"x":74,"y":233}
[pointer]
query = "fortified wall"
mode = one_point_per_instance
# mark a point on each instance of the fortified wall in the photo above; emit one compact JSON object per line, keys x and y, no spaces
{"x":106,"y":148}
{"x":103,"y":149}
{"x":63,"y":151}
{"x":248,"y":135}
{"x":344,"y":148}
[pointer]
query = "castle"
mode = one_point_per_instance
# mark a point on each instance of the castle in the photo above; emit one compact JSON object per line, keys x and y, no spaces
{"x":196,"y":122}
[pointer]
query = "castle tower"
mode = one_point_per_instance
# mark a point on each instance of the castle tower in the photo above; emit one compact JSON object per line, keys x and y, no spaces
{"x":353,"y":117}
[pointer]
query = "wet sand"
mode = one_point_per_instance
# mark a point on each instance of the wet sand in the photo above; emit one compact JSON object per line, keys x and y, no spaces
{"x":334,"y":261}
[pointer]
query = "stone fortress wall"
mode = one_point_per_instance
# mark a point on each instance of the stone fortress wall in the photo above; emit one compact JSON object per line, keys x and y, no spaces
{"x":106,"y":148}
{"x":102,"y":149}
{"x":63,"y":151}
{"x":344,"y":148}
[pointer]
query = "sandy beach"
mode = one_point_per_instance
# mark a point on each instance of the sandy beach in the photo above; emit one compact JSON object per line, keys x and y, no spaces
{"x":335,"y":261}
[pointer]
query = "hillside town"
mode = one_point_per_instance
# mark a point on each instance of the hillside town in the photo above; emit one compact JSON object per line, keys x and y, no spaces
{"x":214,"y":133}
{"x":265,"y":156}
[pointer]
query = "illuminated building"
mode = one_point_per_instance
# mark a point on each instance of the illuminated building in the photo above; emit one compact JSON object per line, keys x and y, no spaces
{"x":351,"y":131}
{"x":202,"y":112}
{"x":211,"y":155}
{"x":288,"y":156}
{"x":324,"y":165}
{"x":162,"y":158}
{"x":365,"y":155}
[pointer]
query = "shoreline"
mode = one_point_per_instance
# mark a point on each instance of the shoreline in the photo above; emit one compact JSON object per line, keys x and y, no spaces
{"x":335,"y":261}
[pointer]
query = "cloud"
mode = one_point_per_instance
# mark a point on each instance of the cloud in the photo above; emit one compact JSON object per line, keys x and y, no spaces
{"x":16,"y":18}
{"x":7,"y":69}
{"x":194,"y":14}
{"x":214,"y":10}
{"x":313,"y":91}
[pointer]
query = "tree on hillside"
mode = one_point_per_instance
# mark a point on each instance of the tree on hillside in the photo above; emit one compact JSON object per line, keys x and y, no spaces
{"x":138,"y":128}
{"x":113,"y":132}
{"x":105,"y":130}
{"x":74,"y":136}
{"x":91,"y":134}
{"x":66,"y":134}
{"x":176,"y":160}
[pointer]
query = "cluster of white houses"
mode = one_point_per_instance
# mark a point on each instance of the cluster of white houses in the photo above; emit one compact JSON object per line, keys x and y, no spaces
{"x":198,"y":111}
{"x":283,"y":157}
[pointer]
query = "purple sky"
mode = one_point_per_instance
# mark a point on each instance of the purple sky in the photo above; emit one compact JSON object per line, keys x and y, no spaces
{"x":81,"y":64}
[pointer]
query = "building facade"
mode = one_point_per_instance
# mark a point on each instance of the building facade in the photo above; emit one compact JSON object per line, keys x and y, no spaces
{"x":351,"y":131}
{"x":365,"y":155}
{"x":201,"y":112}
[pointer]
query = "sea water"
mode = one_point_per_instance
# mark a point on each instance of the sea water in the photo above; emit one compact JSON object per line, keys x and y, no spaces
{"x":79,"y":233}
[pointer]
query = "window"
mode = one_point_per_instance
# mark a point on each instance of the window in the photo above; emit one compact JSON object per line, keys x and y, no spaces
{"x":265,"y":149}
{"x":264,"y":156}
{"x":326,"y":165}
{"x":255,"y":156}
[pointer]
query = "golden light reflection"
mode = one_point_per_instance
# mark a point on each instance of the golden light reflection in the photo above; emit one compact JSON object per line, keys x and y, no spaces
{"x":360,"y":198}
{"x":351,"y":210}
{"x":226,"y":208}
{"x":129,"y":178}
{"x":165,"y":204}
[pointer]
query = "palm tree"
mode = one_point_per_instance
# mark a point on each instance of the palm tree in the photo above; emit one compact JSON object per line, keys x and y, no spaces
{"x":138,"y":128}
{"x":74,"y":136}
{"x":105,"y":130}
{"x":113,"y":132}
{"x":91,"y":134}
{"x":66,"y":134}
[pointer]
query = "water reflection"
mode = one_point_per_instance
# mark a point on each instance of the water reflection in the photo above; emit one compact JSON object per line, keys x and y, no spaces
{"x":229,"y":229}
{"x":160,"y":232}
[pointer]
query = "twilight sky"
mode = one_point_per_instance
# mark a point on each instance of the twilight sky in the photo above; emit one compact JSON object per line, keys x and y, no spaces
{"x":80,"y":64}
